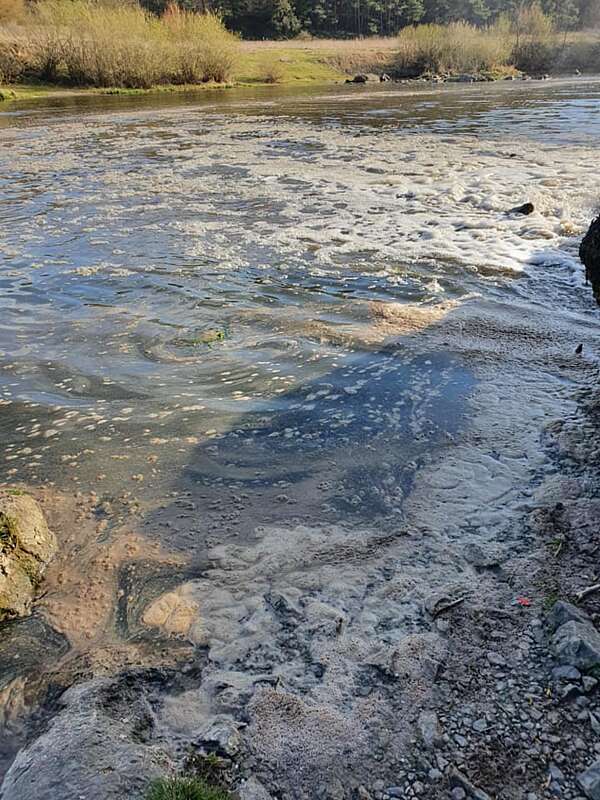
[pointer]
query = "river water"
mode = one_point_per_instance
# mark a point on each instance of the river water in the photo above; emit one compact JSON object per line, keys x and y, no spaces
{"x":229,"y":319}
{"x":133,"y":232}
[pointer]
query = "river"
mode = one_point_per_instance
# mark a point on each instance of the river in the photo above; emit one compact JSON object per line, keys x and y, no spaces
{"x":272,"y":358}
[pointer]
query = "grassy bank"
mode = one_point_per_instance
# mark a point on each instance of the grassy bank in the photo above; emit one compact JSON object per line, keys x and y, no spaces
{"x":82,"y":43}
{"x":313,"y":59}
{"x":423,"y":50}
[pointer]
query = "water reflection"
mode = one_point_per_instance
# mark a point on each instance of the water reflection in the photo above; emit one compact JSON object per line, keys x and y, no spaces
{"x":560,"y":109}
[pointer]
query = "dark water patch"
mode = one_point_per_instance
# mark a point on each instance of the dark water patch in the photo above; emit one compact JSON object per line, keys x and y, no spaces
{"x":28,"y":650}
{"x":27,"y":646}
{"x":358,"y":434}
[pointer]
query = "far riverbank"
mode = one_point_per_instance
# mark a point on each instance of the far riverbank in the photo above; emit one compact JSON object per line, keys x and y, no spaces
{"x":322,"y":62}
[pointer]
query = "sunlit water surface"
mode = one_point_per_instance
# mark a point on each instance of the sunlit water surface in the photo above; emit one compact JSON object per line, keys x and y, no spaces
{"x":191,"y":286}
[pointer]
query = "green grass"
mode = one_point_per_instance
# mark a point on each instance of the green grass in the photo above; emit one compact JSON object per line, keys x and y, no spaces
{"x":185,"y":789}
{"x":550,"y":600}
{"x":36,"y":91}
{"x":257,"y":65}
{"x":31,"y":91}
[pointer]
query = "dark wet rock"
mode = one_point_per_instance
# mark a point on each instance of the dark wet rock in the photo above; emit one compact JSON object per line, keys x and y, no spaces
{"x":364,"y":78}
{"x":589,"y":780}
{"x":589,"y":253}
{"x":26,"y":546}
{"x":99,"y":746}
{"x":27,"y":646}
{"x":577,"y":644}
{"x":563,"y":612}
{"x":525,"y":209}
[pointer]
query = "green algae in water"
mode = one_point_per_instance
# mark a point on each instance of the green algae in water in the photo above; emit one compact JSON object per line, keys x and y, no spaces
{"x":207,"y":338}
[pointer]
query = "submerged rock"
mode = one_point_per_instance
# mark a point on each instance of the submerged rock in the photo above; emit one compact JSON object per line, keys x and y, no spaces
{"x":176,"y":613}
{"x":525,"y":209}
{"x":589,"y":253}
{"x":26,"y":546}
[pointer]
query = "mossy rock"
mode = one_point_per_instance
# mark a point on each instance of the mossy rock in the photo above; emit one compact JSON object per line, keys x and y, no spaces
{"x":26,"y":546}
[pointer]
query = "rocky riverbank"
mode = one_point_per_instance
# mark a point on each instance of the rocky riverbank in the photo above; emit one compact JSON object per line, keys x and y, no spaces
{"x":316,"y":662}
{"x":26,"y":547}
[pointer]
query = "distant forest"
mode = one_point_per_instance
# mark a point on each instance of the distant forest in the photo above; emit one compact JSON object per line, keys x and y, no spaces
{"x":267,"y":19}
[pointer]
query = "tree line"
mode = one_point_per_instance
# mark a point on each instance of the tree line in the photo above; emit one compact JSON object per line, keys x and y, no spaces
{"x":266,"y":19}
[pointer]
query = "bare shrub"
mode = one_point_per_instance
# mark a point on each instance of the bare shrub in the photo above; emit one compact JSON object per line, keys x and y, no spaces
{"x":202,"y":50}
{"x":458,"y":47}
{"x":15,"y":57}
{"x":536,"y":45}
{"x":111,"y":44}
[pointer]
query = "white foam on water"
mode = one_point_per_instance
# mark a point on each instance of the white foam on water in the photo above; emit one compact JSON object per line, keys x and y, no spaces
{"x":321,"y":194}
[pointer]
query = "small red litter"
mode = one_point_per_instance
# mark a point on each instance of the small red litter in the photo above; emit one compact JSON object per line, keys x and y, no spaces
{"x":523,"y":601}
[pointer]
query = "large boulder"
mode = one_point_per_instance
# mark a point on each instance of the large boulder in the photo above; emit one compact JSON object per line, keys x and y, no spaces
{"x":589,"y":253}
{"x":100,"y":746}
{"x":577,"y":644}
{"x":26,"y":546}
